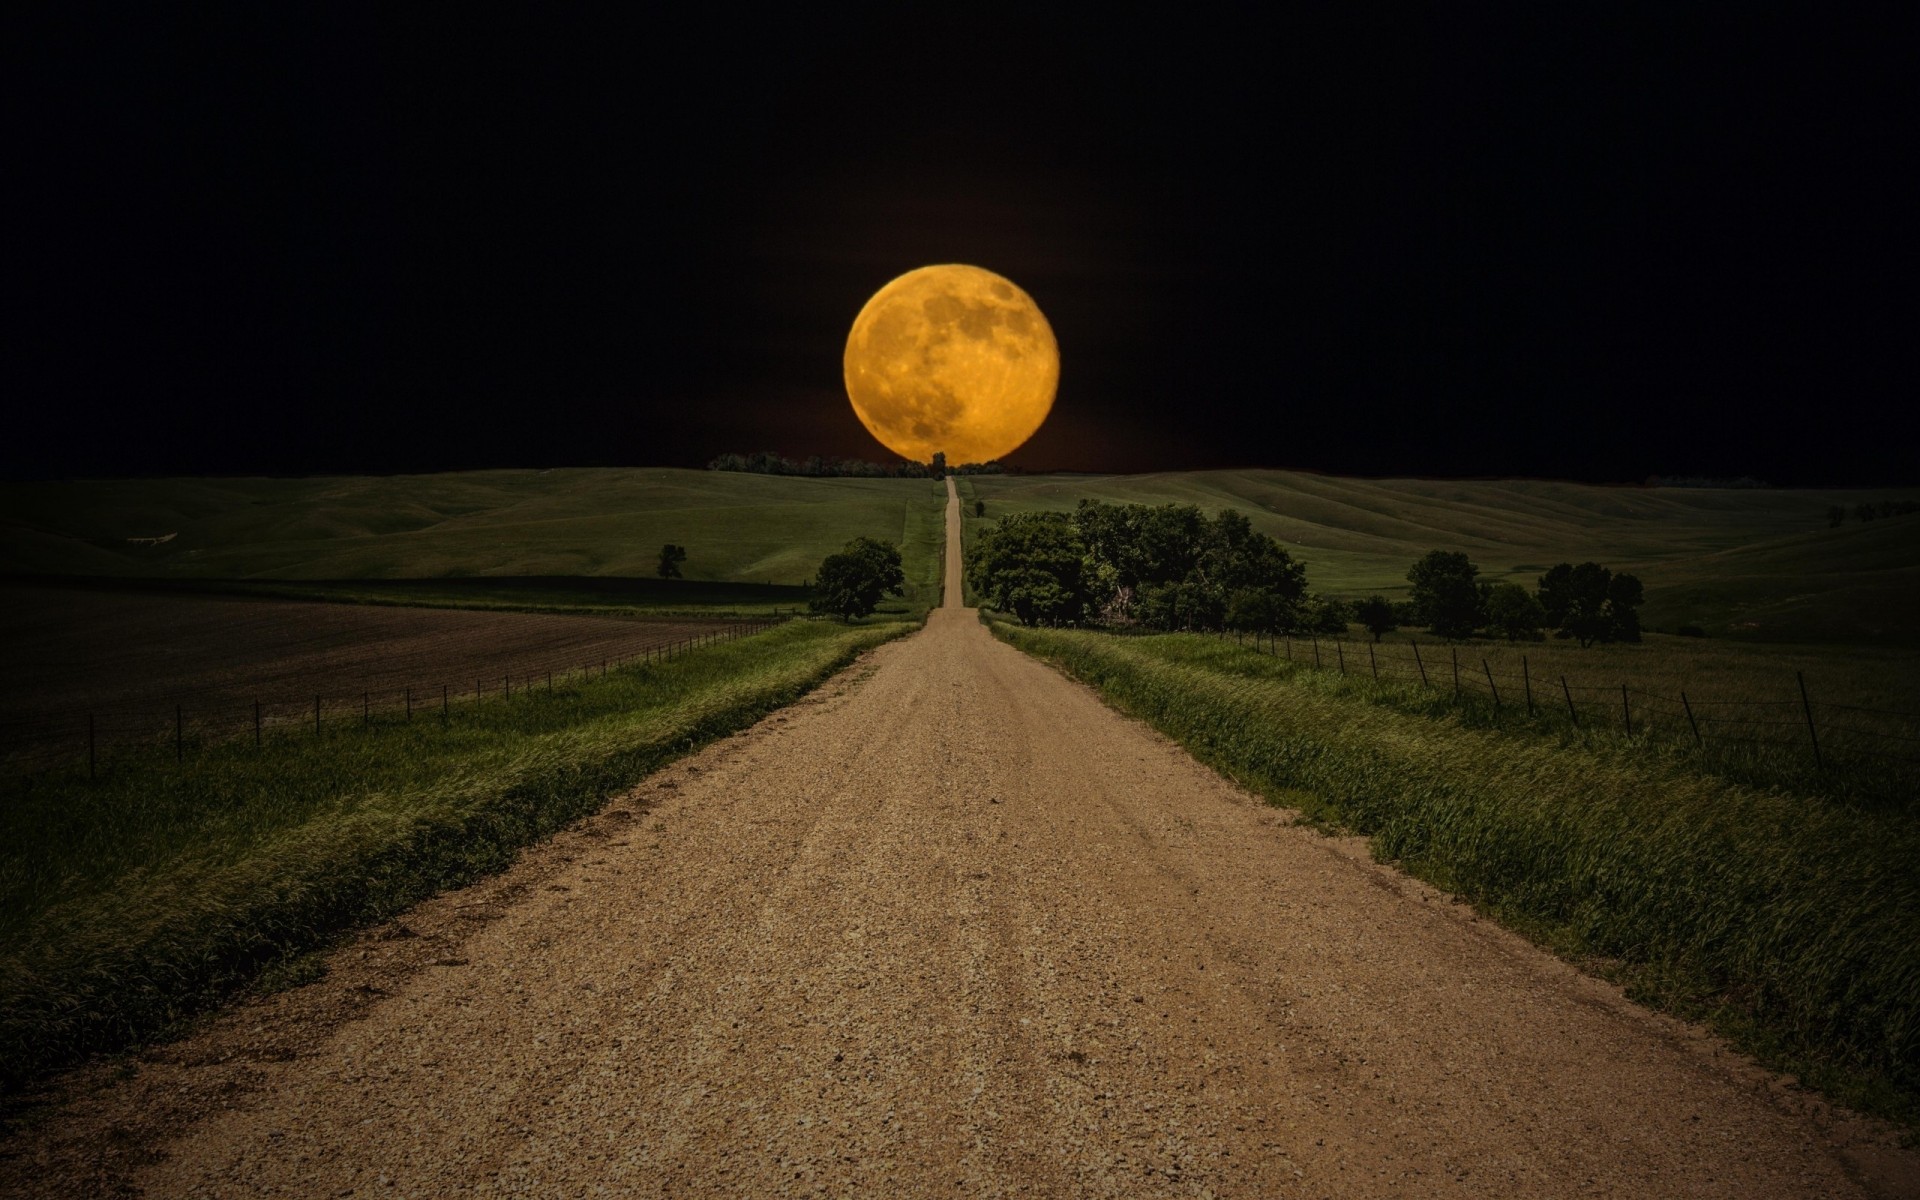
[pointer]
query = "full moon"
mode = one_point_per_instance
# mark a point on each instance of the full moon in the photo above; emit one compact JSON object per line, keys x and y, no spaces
{"x":951,"y":359}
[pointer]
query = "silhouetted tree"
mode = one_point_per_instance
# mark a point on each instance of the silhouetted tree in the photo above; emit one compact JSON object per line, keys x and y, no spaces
{"x":1377,"y":615}
{"x":1835,"y":515}
{"x":1323,"y":614}
{"x":1513,"y":611}
{"x":1446,"y":593}
{"x":937,"y":469}
{"x":850,"y":584}
{"x":671,"y":556}
{"x":979,"y":508}
{"x":1590,"y":603}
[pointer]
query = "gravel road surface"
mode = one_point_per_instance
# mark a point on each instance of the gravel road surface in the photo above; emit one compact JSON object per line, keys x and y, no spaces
{"x":950,"y":927}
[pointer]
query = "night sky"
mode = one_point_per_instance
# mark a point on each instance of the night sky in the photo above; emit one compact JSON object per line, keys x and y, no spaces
{"x":1554,"y":242}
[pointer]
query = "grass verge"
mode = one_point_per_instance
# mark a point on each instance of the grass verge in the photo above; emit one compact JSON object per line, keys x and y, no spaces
{"x":1787,"y":922}
{"x":128,"y":905}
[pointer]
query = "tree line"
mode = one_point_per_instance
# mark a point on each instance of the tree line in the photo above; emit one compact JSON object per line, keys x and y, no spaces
{"x":1172,"y":566}
{"x":1868,"y":511}
{"x":766,"y":462}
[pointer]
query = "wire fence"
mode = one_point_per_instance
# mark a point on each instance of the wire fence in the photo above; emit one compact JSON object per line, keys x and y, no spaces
{"x":1824,"y":730}
{"x":92,"y":738}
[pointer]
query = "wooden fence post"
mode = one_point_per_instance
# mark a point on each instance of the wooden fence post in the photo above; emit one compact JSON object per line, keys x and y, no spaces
{"x":1455,"y":652}
{"x":1316,"y":650}
{"x":1813,"y":735}
{"x":1373,"y":661}
{"x":1690,"y":721}
{"x":1340,"y":651}
{"x":1526,"y":681}
{"x":1626,"y":710}
{"x":1571,"y":710}
{"x":444,"y":714}
{"x":1418,"y":662}
{"x":1490,"y":684}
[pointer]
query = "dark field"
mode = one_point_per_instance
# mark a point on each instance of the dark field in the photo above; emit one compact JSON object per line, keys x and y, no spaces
{"x":130,"y":658}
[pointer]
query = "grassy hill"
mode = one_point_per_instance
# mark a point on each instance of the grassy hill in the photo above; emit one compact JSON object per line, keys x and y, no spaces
{"x":1751,"y":563}
{"x":1757,"y":563}
{"x":479,"y":534}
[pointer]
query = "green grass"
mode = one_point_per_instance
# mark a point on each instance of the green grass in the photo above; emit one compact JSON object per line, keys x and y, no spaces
{"x":503,"y":534}
{"x":129,"y":904}
{"x":1787,"y":920}
{"x":1756,"y":564}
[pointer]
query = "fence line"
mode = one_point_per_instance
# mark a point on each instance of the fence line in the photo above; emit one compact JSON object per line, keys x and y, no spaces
{"x":38,"y":744}
{"x":1806,"y":723}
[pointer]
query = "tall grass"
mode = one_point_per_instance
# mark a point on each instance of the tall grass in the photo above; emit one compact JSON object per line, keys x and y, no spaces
{"x":1787,"y":920}
{"x":130,"y":903}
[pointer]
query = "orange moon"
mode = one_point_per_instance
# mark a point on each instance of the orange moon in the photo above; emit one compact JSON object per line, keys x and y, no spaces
{"x":951,"y":359}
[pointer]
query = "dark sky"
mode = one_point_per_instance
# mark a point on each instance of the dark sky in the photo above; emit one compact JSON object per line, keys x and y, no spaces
{"x":1553,"y":242}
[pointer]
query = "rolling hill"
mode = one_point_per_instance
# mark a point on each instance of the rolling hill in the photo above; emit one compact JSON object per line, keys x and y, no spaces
{"x":1757,"y":563}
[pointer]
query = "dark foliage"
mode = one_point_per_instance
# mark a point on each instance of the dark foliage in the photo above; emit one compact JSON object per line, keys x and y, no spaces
{"x":1377,"y":615}
{"x":1447,"y":594}
{"x":1033,"y":565}
{"x":766,"y":462}
{"x":1591,"y":603}
{"x":1171,"y":566}
{"x":851,"y":583}
{"x":1513,"y":612}
{"x":671,"y":556}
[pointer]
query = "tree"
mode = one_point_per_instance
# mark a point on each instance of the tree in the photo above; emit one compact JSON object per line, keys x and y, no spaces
{"x":1835,"y":514}
{"x":1446,"y":593}
{"x":1513,"y":611}
{"x":850,"y":584}
{"x":1377,"y":615}
{"x":1255,"y":610}
{"x":1323,"y":614}
{"x":937,"y":469}
{"x":1624,"y":597}
{"x":1032,"y":565}
{"x":1591,"y":603}
{"x":979,"y":508}
{"x":1171,"y":566}
{"x":671,"y":556}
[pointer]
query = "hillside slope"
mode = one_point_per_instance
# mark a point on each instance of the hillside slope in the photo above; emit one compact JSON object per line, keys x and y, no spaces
{"x":579,"y":522}
{"x":1748,"y":562}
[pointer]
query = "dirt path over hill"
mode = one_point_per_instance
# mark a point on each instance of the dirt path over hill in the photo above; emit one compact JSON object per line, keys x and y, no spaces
{"x":950,"y":927}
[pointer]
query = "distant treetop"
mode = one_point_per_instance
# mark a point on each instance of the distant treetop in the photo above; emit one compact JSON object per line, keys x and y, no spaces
{"x":766,"y":462}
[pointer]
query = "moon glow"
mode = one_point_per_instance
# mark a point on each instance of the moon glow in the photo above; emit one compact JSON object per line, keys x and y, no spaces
{"x":951,"y":359}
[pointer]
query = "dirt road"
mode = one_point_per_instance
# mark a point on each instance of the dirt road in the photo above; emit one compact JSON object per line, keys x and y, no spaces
{"x":951,"y":927}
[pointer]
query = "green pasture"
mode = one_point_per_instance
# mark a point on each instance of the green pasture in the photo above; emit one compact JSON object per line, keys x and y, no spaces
{"x":557,"y":538}
{"x":129,"y":903}
{"x":1758,"y":563}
